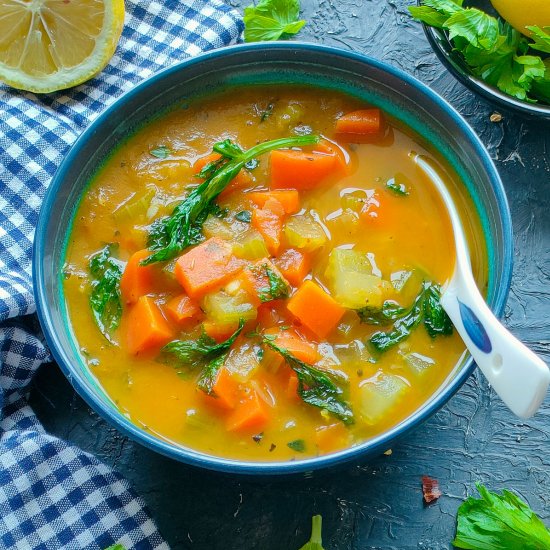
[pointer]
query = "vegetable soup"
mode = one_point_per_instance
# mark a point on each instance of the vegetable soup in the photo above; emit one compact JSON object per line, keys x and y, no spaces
{"x":257,"y":275}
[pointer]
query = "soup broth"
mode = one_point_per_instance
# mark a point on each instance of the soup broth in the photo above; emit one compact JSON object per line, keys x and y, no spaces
{"x":296,"y":322}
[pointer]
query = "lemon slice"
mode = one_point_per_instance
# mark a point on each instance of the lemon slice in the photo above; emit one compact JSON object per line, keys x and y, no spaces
{"x":49,"y":45}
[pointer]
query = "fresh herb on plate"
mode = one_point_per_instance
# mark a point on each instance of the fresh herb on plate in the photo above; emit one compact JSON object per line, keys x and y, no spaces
{"x":161,"y":152}
{"x":105,"y":298}
{"x":492,"y":48}
{"x":204,"y":353}
{"x":271,"y":20}
{"x":315,"y":386}
{"x":183,"y":228}
{"x":315,"y":542}
{"x":426,"y":308}
{"x":498,"y":522}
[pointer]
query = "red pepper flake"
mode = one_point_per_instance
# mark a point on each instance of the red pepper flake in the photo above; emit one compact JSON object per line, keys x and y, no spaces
{"x":430,"y":489}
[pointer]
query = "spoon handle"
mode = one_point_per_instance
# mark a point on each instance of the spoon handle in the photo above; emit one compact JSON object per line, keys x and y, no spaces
{"x":517,"y":375}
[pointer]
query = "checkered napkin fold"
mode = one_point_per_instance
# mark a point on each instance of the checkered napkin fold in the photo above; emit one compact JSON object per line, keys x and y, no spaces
{"x":53,"y":495}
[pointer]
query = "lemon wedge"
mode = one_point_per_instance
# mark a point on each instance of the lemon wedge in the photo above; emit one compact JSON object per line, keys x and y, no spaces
{"x":49,"y":45}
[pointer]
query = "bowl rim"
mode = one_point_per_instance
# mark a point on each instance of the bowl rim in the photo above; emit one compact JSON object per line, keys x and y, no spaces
{"x":376,"y":445}
{"x":438,"y":39}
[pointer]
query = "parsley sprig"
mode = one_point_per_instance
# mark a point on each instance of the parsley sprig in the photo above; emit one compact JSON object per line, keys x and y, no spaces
{"x":495,"y":522}
{"x":272,"y":20}
{"x":315,"y":387}
{"x":203,"y":353}
{"x":171,"y":235}
{"x":105,"y":298}
{"x":494,"y":51}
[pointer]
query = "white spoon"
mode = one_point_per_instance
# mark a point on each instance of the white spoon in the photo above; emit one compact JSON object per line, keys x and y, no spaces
{"x":518,"y":376}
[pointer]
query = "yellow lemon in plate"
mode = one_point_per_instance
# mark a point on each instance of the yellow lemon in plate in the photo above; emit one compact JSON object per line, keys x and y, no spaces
{"x":49,"y":45}
{"x":523,"y":13}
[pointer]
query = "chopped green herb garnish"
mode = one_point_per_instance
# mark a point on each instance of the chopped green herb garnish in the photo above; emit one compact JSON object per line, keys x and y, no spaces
{"x":271,"y":20}
{"x":492,"y":48}
{"x":497,"y":522}
{"x":204,"y":353}
{"x":267,"y":113}
{"x":105,"y":298}
{"x":161,"y":152}
{"x":278,"y":288}
{"x":244,"y":216}
{"x":170,"y":235}
{"x":397,"y":188}
{"x":298,"y":445}
{"x":315,"y":386}
{"x":425,"y":308}
{"x":316,"y":541}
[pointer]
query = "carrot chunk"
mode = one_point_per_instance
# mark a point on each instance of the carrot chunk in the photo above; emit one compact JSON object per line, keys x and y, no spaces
{"x":300,"y":170}
{"x":269,"y":223}
{"x":364,"y":122}
{"x":331,"y":438}
{"x":218,"y":332}
{"x":315,"y":309}
{"x":258,"y":284}
{"x":289,"y":199}
{"x":330,"y":148}
{"x":181,"y":308}
{"x":294,"y":265}
{"x":249,"y":415}
{"x":225,"y":391}
{"x":147,"y":328}
{"x":294,"y":344}
{"x":292,"y":387}
{"x":137,"y":280}
{"x":207,"y":267}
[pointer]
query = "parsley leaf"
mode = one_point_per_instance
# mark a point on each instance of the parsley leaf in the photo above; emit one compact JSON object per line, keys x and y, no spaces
{"x":204,"y":353}
{"x":298,"y":445}
{"x":397,"y":188}
{"x":315,"y":542}
{"x":278,"y":288}
{"x":271,"y":20}
{"x":161,"y":152}
{"x":315,"y":386}
{"x":541,"y":39}
{"x":172,"y":234}
{"x":426,"y":308}
{"x":495,"y":521}
{"x":495,"y":52}
{"x":105,"y":298}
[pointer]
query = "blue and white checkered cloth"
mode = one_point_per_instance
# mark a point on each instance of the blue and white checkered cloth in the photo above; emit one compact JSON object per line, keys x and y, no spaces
{"x":53,"y":495}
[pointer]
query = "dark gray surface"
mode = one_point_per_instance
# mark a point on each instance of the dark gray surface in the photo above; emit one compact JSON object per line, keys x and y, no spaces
{"x":379,"y":504}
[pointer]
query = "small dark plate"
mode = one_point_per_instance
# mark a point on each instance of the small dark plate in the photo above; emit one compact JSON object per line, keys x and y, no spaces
{"x":455,"y":63}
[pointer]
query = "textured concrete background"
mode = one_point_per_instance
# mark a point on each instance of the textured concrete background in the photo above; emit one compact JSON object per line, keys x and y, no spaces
{"x":377,"y":505}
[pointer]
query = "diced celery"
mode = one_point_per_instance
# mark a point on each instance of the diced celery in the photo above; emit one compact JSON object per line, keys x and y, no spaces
{"x":227,"y":309}
{"x":355,"y":201}
{"x":243,"y":362}
{"x":136,"y":207}
{"x":408,"y":284}
{"x":250,"y":245}
{"x":305,"y":233}
{"x":346,"y":218}
{"x":349,"y":275}
{"x":289,"y":116}
{"x":198,"y":420}
{"x":379,"y":395}
{"x":217,"y":227}
{"x":170,"y":269}
{"x":353,"y":355}
{"x":418,"y":363}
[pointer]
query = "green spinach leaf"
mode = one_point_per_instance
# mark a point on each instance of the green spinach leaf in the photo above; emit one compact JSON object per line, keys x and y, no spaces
{"x":105,"y":298}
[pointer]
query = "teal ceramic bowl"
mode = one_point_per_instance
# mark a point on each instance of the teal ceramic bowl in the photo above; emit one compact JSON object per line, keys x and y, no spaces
{"x":400,"y":95}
